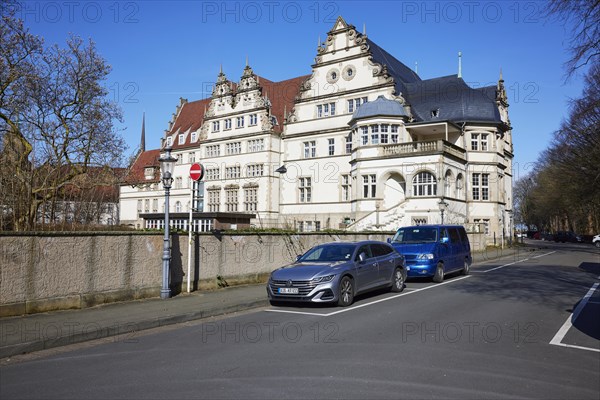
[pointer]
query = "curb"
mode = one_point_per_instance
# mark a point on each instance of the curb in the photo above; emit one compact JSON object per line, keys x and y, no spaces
{"x":124,"y":328}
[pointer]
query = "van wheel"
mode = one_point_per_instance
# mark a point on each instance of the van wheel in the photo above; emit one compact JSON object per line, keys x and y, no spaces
{"x":398,"y":280}
{"x":466,"y":268}
{"x":439,"y":274}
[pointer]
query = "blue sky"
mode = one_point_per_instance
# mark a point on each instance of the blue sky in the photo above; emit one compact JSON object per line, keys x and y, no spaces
{"x":163,"y":50}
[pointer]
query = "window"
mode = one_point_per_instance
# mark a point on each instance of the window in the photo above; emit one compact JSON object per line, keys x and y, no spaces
{"x":213,"y":151}
{"x":170,"y":141}
{"x":424,"y":185}
{"x":369,"y":186}
{"x":331,"y":145}
{"x":364,"y":134}
{"x":178,"y":206}
{"x":233,"y":148}
{"x":213,"y":174}
{"x":345,"y":187}
{"x":435,"y":113}
{"x":350,"y":106}
{"x":256,"y":145}
{"x":232,"y":172}
{"x":484,"y":142}
{"x":214,"y":199}
{"x":216,"y":126}
{"x":155,"y":205}
{"x":394,"y":135}
{"x":240,"y":122}
{"x":384,"y":134}
{"x":147,"y":205}
{"x":325,"y":110}
{"x":482,"y":222}
{"x":181,"y":139}
{"x":227,"y":124}
{"x":479,"y":141}
{"x":353,"y":104}
{"x":310,"y":149}
{"x":250,"y":199}
{"x":459,"y":186}
{"x":374,"y":134}
{"x":231,"y":199}
{"x":191,"y":157}
{"x":253,"y":120}
{"x":194,"y":137}
{"x":178,"y":183}
{"x":349,"y":143}
{"x":255,"y":170}
{"x":149,"y":172}
{"x":481,"y":187}
{"x":305,"y":189}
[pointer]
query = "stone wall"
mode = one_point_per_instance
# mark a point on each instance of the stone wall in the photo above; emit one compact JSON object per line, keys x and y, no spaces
{"x":51,"y":271}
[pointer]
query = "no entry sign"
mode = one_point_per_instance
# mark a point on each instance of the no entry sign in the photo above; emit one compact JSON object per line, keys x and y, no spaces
{"x":196,"y":172}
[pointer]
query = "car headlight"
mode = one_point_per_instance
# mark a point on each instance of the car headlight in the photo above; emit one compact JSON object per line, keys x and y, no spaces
{"x":323,"y":279}
{"x":426,"y":256}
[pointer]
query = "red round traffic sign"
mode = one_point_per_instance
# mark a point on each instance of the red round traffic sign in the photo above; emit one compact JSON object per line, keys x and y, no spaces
{"x":196,"y":172}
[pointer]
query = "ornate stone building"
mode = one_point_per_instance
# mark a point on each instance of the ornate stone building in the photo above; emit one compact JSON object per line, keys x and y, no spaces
{"x":365,"y":143}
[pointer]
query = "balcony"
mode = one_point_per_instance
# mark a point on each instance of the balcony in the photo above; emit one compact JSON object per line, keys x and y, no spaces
{"x":420,"y":148}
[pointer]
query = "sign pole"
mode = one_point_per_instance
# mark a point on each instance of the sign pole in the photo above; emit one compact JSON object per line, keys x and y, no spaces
{"x":190,"y":227}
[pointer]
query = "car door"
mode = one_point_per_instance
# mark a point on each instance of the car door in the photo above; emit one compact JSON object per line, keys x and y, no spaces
{"x":386,"y":260}
{"x":444,"y":249}
{"x":367,"y":271}
{"x":455,"y":245}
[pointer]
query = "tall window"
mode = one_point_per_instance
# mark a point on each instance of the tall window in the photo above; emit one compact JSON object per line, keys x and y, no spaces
{"x":227,"y":124}
{"x":394,"y":133}
{"x":194,"y":137}
{"x":181,"y":139}
{"x":459,"y":186}
{"x":255,"y":170}
{"x":213,"y":174}
{"x":374,"y":134}
{"x":250,"y":199}
{"x":310,"y":149}
{"x":331,"y":146}
{"x":191,"y":157}
{"x":178,"y":206}
{"x":325,"y":110}
{"x":349,"y":143}
{"x":364,"y":134}
{"x":305,"y":189}
{"x":216,"y":126}
{"x":213,"y":151}
{"x":147,"y":205}
{"x":424,"y":185}
{"x":253,"y":120}
{"x":479,"y":141}
{"x":139,"y":206}
{"x":384,"y":134}
{"x":214,"y":199}
{"x":353,"y":104}
{"x":240,"y":122}
{"x":369,"y":186}
{"x":170,"y":141}
{"x":345,"y":187}
{"x":232,"y":172}
{"x":231,"y":199}
{"x":481,"y":186}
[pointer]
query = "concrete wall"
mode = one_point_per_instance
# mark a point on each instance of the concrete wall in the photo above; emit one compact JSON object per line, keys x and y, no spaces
{"x":50,"y":271}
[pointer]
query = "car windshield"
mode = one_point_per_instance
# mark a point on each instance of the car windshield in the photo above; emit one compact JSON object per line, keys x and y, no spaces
{"x":415,"y":235}
{"x":329,"y":253}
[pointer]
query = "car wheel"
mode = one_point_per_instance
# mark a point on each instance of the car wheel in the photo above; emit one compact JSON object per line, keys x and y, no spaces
{"x":439,"y":274}
{"x":346,"y":292}
{"x":466,"y":268}
{"x":398,"y":280}
{"x":597,"y":244}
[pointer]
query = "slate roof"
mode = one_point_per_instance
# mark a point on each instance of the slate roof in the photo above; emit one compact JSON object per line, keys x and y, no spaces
{"x":453,"y":100}
{"x":401,"y":73}
{"x":380,"y":107}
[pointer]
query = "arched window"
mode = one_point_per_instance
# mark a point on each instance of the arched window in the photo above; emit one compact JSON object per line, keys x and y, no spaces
{"x":448,"y":192}
{"x":178,"y":206}
{"x":424,"y":184}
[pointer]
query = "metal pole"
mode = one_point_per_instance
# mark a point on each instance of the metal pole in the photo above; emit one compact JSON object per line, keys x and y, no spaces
{"x":165,"y":292}
{"x":189,"y":266}
{"x":442,"y":210}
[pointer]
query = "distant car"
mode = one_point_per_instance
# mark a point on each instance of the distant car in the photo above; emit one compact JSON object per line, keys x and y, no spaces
{"x":567,"y":236}
{"x":596,"y":241}
{"x":336,"y":272}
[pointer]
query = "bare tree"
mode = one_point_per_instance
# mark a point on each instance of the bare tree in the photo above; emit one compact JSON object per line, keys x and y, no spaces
{"x":57,"y":121}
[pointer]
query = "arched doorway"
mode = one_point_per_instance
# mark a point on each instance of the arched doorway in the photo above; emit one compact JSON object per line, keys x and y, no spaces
{"x":394,"y":190}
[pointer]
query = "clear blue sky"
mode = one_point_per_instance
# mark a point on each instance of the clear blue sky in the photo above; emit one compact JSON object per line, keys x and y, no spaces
{"x":163,"y":50}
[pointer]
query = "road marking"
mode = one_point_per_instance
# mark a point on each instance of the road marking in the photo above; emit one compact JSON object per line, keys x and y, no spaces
{"x":516,"y":262}
{"x":370,"y":303}
{"x":545,"y":254}
{"x":562,"y":332}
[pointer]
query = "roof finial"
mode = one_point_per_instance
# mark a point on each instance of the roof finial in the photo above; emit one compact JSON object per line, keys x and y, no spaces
{"x":143,"y":139}
{"x":364,"y":29}
{"x":460,"y":64}
{"x":501,"y":77}
{"x":416,"y":67}
{"x":221,"y":69}
{"x":319,"y":42}
{"x":246,"y":60}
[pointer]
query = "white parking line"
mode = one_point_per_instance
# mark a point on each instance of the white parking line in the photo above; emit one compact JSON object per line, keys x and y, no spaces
{"x":562,"y":332}
{"x":367,"y":304}
{"x":516,"y":262}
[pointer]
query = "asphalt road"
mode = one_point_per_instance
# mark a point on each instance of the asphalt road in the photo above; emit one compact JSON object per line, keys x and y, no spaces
{"x":523,"y":327}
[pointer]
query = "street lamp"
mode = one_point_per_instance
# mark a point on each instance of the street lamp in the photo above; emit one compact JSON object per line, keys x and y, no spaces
{"x":167,"y":162}
{"x":442,"y":205}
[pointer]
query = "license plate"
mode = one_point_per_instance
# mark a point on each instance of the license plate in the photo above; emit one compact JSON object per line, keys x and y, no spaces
{"x":286,"y":290}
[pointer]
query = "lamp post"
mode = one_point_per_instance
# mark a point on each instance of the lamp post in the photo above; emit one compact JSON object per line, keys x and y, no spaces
{"x":167,"y":162}
{"x":442,"y":205}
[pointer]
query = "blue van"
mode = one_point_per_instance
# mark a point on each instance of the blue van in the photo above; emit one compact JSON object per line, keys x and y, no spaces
{"x":433,"y":250}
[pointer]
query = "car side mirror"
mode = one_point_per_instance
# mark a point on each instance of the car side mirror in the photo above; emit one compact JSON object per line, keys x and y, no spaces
{"x":362,"y":257}
{"x":444,"y":240}
{"x":389,"y":240}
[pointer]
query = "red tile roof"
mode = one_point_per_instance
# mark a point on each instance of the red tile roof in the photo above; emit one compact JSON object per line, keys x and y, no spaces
{"x":145,"y":159}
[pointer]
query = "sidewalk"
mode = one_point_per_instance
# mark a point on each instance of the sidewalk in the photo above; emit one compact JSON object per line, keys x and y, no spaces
{"x":34,"y":332}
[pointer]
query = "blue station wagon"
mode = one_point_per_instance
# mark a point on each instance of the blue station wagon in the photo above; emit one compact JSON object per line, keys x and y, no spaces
{"x":433,"y":250}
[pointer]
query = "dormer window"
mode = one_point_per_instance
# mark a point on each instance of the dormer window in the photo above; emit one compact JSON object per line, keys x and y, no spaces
{"x":149,"y":172}
{"x":170,"y":141}
{"x":181,"y":139}
{"x":435,"y":113}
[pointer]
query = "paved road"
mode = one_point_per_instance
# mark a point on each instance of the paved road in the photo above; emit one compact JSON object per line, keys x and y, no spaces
{"x":487,"y":335}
